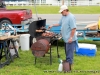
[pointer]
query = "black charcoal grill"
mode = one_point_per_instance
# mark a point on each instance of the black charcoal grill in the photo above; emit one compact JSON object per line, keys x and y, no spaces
{"x":44,"y":39}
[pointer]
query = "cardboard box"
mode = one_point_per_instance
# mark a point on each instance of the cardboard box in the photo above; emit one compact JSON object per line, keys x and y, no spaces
{"x":92,"y":26}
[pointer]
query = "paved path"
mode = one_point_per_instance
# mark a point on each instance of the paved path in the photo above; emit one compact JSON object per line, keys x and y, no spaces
{"x":81,"y":19}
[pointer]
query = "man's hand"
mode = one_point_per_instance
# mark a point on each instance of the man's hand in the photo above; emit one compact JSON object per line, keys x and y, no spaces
{"x":70,"y":40}
{"x":50,"y":27}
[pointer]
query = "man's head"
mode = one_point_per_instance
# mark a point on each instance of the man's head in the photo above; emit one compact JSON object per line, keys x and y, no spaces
{"x":63,"y":10}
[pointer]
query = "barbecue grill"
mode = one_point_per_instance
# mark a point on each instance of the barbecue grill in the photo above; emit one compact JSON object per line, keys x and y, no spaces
{"x":44,"y":39}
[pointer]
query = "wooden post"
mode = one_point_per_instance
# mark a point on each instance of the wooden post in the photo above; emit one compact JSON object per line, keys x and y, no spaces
{"x":62,"y":2}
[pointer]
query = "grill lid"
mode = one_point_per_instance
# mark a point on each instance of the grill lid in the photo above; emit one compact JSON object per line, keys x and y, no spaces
{"x":35,"y":25}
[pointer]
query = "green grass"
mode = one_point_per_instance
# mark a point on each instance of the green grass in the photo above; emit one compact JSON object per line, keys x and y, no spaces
{"x":55,"y":9}
{"x":25,"y":64}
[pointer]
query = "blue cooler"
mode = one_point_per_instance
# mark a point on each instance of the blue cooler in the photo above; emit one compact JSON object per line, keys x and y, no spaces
{"x":86,"y":49}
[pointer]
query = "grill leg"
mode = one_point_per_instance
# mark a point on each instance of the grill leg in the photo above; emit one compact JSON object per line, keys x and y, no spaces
{"x":57,"y":50}
{"x":50,"y":56}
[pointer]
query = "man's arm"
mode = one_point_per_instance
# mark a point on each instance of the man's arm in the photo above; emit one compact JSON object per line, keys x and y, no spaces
{"x":53,"y":25}
{"x":72,"y":34}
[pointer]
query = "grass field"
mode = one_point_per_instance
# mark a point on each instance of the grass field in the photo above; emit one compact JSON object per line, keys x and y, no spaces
{"x":55,"y":9}
{"x":83,"y":65}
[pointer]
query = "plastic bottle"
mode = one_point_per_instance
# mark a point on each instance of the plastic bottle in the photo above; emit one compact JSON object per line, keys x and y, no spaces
{"x":60,"y":68}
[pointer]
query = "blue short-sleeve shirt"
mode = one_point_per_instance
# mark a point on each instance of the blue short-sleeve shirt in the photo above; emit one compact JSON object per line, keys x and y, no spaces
{"x":67,"y":24}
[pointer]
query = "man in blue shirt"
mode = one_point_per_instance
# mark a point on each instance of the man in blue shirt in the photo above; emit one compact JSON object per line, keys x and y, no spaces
{"x":68,"y":31}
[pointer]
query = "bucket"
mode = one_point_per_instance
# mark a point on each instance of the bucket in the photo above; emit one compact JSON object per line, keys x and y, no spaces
{"x":24,"y":42}
{"x":66,"y":66}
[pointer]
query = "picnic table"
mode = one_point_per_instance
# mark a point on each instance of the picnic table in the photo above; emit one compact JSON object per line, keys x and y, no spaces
{"x":4,"y":50}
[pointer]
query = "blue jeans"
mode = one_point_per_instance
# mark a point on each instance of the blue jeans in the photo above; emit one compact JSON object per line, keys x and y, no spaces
{"x":69,"y":51}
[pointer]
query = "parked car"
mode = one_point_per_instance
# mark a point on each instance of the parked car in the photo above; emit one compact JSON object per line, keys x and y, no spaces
{"x":14,"y":16}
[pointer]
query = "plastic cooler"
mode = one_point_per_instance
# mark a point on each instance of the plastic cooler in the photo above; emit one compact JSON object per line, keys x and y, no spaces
{"x":86,"y":49}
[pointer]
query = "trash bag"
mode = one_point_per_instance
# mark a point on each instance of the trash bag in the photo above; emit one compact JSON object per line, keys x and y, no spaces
{"x":11,"y":47}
